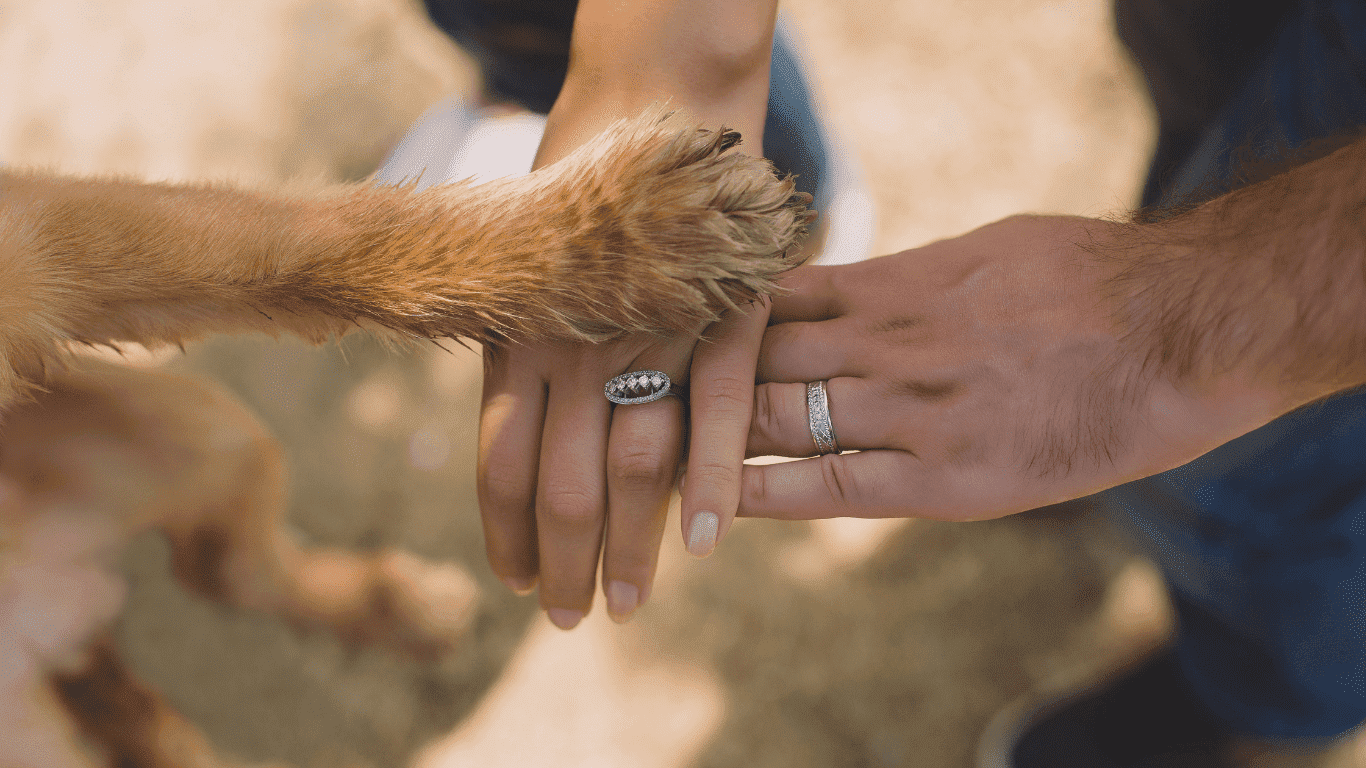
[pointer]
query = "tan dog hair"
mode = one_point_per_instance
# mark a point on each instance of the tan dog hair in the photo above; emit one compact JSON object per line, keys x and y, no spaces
{"x":652,"y":227}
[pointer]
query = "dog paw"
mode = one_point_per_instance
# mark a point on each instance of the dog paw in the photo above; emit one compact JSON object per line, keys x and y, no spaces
{"x":427,"y":606}
{"x":656,"y":226}
{"x":391,"y":597}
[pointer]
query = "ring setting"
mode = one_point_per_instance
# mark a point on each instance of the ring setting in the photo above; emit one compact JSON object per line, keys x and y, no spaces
{"x":639,"y":387}
{"x":818,"y":417}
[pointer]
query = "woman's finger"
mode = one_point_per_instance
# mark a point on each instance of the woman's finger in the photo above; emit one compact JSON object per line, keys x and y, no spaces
{"x":721,"y":396}
{"x":571,"y":497}
{"x":643,"y":451}
{"x":510,"y":421}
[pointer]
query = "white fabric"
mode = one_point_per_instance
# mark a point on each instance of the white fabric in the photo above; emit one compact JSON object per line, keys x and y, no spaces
{"x":452,"y":141}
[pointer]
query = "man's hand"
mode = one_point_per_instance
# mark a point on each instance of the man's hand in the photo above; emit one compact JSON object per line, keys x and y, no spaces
{"x":978,"y":377}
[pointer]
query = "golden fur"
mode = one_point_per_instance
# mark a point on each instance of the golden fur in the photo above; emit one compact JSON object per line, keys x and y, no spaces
{"x":645,"y":229}
{"x":652,"y":227}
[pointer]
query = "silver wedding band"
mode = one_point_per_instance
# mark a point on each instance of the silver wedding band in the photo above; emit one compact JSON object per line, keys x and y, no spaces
{"x":639,"y":387}
{"x":818,"y":416}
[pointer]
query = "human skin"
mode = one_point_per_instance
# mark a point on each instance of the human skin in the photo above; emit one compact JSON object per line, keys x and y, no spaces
{"x":562,"y":475}
{"x":1040,"y":359}
{"x":1097,"y":353}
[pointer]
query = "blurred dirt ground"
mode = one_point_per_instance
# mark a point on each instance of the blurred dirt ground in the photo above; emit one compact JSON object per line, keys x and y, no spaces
{"x":841,"y":643}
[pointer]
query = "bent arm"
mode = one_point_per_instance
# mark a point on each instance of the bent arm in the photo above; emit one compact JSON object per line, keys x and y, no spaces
{"x":708,"y":56}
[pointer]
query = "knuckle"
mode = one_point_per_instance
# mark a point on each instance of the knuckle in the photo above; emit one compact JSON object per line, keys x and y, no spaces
{"x":727,"y":394}
{"x":768,"y":413}
{"x":571,"y":508}
{"x":640,"y":469}
{"x":840,"y":483}
{"x":764,"y":421}
{"x":763,"y":417}
{"x":713,"y":474}
{"x":754,"y":490}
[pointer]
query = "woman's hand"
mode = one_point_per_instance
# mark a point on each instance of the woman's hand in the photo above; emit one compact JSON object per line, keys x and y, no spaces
{"x":559,"y":469}
{"x":562,"y":474}
{"x":977,"y":377}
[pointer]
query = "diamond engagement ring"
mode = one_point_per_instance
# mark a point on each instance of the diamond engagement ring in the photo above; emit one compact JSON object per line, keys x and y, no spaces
{"x":641,"y":387}
{"x":818,"y":415}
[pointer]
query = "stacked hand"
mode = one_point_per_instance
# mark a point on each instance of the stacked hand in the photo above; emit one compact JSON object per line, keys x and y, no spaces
{"x":977,"y":377}
{"x":560,"y":469}
{"x":974,"y":377}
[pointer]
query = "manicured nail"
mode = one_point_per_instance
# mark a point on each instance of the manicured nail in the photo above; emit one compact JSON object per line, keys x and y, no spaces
{"x":702,"y":534}
{"x":564,"y":618}
{"x":522,"y":586}
{"x":622,"y":599}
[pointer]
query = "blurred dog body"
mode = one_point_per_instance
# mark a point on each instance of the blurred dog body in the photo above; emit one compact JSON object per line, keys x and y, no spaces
{"x":653,"y":227}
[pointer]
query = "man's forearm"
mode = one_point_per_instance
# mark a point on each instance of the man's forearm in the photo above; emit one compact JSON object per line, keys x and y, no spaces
{"x":710,"y":57}
{"x":1266,"y":284}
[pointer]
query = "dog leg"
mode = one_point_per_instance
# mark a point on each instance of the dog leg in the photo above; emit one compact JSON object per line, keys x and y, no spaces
{"x":652,"y":227}
{"x":236,"y":550}
{"x":52,"y":598}
{"x":58,"y":590}
{"x":129,"y":722}
{"x":229,"y":540}
{"x":392,"y":596}
{"x":38,"y":730}
{"x":148,"y":449}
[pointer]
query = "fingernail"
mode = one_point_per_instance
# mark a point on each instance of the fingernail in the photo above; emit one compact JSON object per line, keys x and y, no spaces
{"x":564,"y":618}
{"x":702,"y":534}
{"x":521,"y":586}
{"x":622,"y":599}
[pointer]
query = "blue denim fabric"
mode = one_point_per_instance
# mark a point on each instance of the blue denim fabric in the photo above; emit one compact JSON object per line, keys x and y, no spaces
{"x":793,"y":138}
{"x":522,"y":47}
{"x":1263,"y":540}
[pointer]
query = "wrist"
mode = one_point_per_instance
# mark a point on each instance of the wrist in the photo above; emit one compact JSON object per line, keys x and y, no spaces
{"x":1153,"y":285}
{"x":1205,"y":308}
{"x":588,"y":104}
{"x":710,"y":58}
{"x":708,"y":43}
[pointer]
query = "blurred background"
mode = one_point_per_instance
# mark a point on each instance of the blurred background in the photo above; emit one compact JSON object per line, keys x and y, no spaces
{"x":840,"y":643}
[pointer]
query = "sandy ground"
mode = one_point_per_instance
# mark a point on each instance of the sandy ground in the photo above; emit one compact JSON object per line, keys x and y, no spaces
{"x":842,"y":643}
